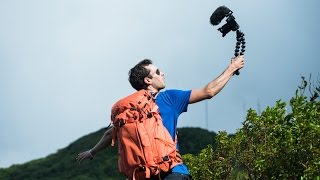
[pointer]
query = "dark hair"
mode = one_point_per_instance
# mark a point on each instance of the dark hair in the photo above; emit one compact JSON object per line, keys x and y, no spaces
{"x":138,"y":73}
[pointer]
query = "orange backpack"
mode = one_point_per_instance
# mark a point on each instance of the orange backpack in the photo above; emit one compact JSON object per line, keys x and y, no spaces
{"x":145,"y":145}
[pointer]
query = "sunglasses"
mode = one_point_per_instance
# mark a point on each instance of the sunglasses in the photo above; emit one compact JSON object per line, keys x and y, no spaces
{"x":158,"y":72}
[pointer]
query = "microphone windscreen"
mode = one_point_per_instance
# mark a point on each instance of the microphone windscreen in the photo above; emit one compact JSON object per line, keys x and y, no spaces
{"x":219,"y":14}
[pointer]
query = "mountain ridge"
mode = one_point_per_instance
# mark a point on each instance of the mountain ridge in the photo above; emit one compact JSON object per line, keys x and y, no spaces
{"x":63,"y":165}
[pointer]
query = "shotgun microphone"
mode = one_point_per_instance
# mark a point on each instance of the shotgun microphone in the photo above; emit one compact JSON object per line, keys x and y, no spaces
{"x":220,"y":13}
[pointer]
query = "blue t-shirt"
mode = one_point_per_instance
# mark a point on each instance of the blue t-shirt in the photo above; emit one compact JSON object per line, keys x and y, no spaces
{"x":171,"y":104}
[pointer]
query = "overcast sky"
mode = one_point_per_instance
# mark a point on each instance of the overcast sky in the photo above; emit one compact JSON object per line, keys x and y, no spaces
{"x":64,"y":63}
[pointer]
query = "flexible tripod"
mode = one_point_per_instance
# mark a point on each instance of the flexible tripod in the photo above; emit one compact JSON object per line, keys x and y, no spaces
{"x":240,"y":46}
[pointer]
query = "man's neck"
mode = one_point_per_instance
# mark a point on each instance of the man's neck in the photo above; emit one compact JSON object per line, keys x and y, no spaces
{"x":154,"y":92}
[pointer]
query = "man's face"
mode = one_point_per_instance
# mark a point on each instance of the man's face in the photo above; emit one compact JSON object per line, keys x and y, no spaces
{"x":156,"y":77}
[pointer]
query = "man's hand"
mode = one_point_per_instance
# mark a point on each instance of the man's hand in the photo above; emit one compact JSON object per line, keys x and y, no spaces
{"x":84,"y":155}
{"x":236,"y":63}
{"x":104,"y":142}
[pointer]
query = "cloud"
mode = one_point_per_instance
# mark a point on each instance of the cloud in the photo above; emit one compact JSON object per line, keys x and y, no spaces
{"x":64,"y":63}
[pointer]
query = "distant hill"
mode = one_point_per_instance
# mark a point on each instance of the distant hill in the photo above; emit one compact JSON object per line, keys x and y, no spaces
{"x":62,"y":165}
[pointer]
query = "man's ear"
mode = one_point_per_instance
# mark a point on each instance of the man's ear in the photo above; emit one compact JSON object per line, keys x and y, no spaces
{"x":147,"y":80}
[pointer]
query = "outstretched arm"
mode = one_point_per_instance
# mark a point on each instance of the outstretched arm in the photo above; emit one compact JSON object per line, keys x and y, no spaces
{"x":103,"y":143}
{"x":216,"y":85}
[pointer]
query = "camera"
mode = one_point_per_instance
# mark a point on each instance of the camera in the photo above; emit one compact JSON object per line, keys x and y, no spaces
{"x":230,"y":25}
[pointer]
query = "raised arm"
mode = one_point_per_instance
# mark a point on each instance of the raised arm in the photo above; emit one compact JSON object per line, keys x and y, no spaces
{"x":216,"y":85}
{"x":103,"y":143}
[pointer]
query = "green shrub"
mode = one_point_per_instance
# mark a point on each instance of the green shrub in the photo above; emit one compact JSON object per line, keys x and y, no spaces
{"x":277,"y":144}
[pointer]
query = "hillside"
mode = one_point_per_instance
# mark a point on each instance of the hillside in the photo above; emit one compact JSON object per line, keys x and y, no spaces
{"x":62,"y":165}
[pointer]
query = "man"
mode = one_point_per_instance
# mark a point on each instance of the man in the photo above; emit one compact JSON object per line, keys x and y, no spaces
{"x":171,"y":103}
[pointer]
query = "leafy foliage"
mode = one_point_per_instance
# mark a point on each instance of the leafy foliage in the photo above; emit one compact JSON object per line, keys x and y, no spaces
{"x":274,"y":145}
